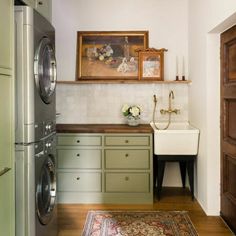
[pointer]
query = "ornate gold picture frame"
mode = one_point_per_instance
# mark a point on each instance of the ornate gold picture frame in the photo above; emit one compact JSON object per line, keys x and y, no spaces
{"x":151,"y":64}
{"x":109,"y":55}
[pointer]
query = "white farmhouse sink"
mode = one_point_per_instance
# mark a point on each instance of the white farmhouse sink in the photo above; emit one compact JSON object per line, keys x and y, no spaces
{"x":178,"y":139}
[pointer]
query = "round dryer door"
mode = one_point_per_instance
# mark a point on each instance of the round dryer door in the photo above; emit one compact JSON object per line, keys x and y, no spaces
{"x":46,"y":191}
{"x":45,"y":70}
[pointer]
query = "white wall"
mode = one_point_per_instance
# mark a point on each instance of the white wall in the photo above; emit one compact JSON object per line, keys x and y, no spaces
{"x":207,"y":18}
{"x":166,"y":21}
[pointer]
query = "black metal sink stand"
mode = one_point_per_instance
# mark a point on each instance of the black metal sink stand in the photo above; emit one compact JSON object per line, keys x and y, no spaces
{"x":186,"y":162}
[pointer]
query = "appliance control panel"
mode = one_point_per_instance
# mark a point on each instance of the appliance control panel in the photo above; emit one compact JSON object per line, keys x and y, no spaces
{"x":49,"y":127}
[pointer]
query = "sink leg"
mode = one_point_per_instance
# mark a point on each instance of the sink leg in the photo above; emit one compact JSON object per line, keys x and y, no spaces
{"x":182,"y":166}
{"x":154,"y":171}
{"x":160,"y":175}
{"x":190,"y":168}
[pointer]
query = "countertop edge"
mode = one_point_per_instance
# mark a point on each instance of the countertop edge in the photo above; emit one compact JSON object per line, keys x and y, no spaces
{"x":103,"y":128}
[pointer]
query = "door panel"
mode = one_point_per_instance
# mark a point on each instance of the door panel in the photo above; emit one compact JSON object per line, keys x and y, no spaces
{"x":228,"y":127}
{"x":231,"y":51}
{"x":6,"y":161}
{"x":231,"y":119}
{"x":230,"y":171}
{"x":6,"y":34}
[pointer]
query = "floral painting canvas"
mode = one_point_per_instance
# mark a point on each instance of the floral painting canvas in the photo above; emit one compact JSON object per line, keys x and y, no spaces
{"x":109,"y":55}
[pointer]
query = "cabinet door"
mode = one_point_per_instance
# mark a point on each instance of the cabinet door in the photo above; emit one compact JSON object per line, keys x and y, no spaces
{"x":6,"y":35}
{"x":6,"y":161}
{"x":44,"y":7}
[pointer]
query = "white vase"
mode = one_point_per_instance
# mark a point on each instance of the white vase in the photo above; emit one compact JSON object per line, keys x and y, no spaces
{"x":133,"y":121}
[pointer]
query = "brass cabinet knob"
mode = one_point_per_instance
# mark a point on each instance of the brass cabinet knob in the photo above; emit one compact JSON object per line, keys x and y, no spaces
{"x":127,"y":154}
{"x":126,"y":178}
{"x":78,"y":141}
{"x":126,"y":141}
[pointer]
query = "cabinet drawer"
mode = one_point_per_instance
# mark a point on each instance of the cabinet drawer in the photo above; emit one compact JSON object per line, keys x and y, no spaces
{"x":127,"y":159}
{"x":79,"y":140}
{"x":127,"y":140}
{"x":127,"y":182}
{"x":79,"y":182}
{"x":82,"y":159}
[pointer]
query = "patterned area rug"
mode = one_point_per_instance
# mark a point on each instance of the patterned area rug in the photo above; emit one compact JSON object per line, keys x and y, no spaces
{"x":138,"y":223}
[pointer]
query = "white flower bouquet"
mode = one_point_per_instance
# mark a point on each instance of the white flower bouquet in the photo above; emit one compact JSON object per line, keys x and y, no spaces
{"x":131,"y":111}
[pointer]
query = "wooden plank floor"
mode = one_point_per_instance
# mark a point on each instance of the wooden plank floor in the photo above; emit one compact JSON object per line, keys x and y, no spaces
{"x":72,"y":217}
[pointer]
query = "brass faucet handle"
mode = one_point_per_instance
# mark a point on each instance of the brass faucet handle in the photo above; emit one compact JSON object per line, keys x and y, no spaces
{"x":176,"y":111}
{"x":163,"y":112}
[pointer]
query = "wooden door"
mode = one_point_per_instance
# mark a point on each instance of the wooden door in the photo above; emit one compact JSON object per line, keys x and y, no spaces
{"x":228,"y":127}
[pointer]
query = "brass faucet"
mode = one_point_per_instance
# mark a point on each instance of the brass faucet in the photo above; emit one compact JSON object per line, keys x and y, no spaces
{"x":170,"y":110}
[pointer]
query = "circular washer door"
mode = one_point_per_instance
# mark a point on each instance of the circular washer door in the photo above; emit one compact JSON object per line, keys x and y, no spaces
{"x":46,"y":191}
{"x":45,"y":70}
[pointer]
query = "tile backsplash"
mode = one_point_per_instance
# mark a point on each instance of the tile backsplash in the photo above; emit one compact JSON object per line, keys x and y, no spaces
{"x":102,"y":103}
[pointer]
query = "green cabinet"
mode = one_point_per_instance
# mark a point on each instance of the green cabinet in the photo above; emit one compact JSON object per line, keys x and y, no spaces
{"x":127,"y":140}
{"x":105,"y":168}
{"x":127,"y":159}
{"x":7,"y":204}
{"x":79,"y":158}
{"x":79,"y":164}
{"x":78,"y":140}
{"x":127,"y":182}
{"x":6,"y":32}
{"x":79,"y":181}
{"x":6,"y":158}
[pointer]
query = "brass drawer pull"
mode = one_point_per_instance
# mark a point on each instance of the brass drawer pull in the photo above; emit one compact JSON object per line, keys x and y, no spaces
{"x":126,"y":178}
{"x":78,"y":178}
{"x":126,"y":141}
{"x":4,"y":171}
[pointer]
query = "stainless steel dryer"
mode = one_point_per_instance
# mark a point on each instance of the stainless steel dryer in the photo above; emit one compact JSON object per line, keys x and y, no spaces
{"x":44,"y":74}
{"x":35,"y":75}
{"x":45,"y":191}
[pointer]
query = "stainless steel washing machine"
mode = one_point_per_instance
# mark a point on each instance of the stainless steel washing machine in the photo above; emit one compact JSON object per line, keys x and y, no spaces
{"x":45,"y":190}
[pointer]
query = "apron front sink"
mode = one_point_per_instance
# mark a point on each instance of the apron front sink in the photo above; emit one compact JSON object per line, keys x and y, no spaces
{"x":178,"y":139}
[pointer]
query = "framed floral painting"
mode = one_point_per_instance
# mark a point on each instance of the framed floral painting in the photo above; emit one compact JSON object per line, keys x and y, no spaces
{"x":103,"y":55}
{"x":151,"y":64}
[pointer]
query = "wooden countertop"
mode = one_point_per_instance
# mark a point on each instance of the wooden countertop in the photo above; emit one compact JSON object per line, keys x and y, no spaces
{"x":103,"y":128}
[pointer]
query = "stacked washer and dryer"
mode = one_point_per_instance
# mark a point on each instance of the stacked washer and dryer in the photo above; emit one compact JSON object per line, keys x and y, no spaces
{"x":35,"y":139}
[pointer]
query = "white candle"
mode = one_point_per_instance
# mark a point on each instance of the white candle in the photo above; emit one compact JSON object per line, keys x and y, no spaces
{"x":183,"y":68}
{"x":177,"y":66}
